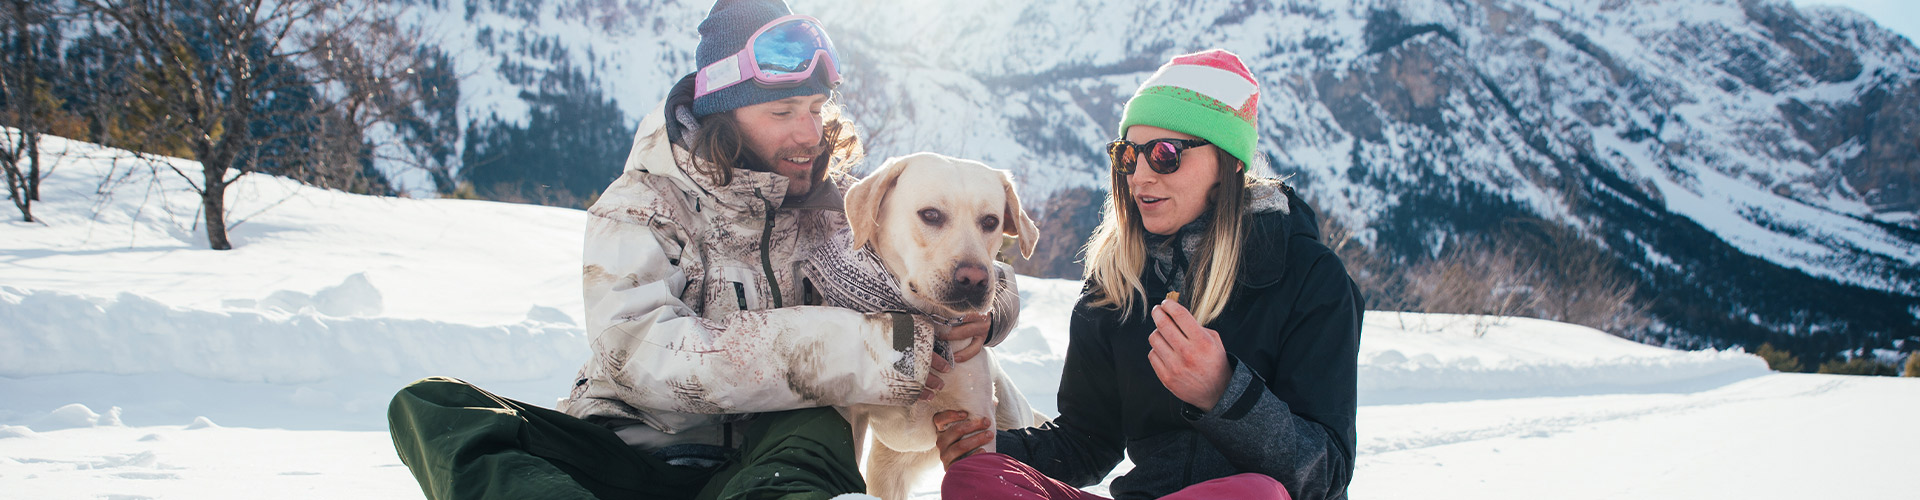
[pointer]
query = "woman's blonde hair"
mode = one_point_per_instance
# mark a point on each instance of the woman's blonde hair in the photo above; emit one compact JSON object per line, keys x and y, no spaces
{"x":1117,"y":253}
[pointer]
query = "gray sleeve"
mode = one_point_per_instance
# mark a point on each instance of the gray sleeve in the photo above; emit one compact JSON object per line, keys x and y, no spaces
{"x":1302,"y":454}
{"x":1006,"y":306}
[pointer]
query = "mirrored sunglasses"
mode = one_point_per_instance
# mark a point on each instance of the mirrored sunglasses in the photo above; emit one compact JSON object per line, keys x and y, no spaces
{"x":1163,"y":155}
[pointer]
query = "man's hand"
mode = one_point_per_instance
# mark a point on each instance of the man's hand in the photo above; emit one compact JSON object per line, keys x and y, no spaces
{"x":959,"y":436}
{"x":972,"y":327}
{"x":934,"y":384}
{"x":1189,"y":360}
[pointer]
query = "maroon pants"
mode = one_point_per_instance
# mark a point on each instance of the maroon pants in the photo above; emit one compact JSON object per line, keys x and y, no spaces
{"x":993,"y":476}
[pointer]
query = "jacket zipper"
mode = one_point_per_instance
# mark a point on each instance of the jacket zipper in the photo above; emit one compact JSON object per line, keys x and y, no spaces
{"x":766,"y":249}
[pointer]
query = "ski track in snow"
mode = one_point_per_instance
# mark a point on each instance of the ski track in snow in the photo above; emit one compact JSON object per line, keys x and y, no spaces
{"x":1536,"y":422}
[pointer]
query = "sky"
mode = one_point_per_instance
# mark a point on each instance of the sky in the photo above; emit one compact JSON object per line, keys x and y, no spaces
{"x":1901,"y":16}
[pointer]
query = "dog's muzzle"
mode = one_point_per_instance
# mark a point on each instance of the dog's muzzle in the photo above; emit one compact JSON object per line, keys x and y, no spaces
{"x":969,"y":287}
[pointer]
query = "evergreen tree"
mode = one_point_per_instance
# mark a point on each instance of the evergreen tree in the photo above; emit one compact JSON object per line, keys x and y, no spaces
{"x":97,"y":85}
{"x":573,"y":144}
{"x":430,"y":128}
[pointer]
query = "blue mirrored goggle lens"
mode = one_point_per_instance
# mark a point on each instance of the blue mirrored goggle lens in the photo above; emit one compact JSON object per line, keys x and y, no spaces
{"x":789,"y":48}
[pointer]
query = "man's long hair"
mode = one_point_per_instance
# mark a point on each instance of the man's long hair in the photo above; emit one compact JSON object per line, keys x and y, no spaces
{"x":1117,"y":253}
{"x":720,"y":141}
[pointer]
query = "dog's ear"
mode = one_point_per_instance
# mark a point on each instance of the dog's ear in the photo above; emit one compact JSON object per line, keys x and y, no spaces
{"x":1017,"y":223}
{"x":865,"y":197}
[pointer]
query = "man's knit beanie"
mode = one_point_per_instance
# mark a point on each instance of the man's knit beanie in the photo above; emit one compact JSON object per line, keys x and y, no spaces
{"x":1209,"y":95}
{"x":725,"y":33}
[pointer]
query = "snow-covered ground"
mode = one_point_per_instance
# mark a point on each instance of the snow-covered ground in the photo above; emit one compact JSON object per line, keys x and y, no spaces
{"x":136,"y":364}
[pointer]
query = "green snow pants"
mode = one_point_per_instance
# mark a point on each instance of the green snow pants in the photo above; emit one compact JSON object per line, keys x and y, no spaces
{"x":462,"y":442}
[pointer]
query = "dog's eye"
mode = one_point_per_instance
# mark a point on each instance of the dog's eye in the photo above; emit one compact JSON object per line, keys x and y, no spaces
{"x":989,"y":223}
{"x":933,"y":217}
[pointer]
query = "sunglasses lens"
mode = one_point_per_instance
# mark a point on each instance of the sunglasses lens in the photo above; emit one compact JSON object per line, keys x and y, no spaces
{"x":1122,"y":155}
{"x":789,"y":48}
{"x":1164,"y":157}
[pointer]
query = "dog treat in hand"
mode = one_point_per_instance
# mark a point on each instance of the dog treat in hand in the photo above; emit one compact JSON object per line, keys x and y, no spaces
{"x":1173,"y":296}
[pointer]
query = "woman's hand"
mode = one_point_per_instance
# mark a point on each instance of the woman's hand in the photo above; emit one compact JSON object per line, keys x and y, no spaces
{"x":958,"y":436}
{"x":1189,"y":359}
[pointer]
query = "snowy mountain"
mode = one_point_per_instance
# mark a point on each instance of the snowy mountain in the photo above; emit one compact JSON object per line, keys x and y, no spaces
{"x":136,"y":363}
{"x":1753,"y":164}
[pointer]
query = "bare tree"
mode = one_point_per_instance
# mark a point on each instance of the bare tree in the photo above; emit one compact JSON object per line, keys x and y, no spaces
{"x":1526,"y":267}
{"x":376,"y":68}
{"x":287,"y":86}
{"x":22,"y":92}
{"x":1580,"y":281}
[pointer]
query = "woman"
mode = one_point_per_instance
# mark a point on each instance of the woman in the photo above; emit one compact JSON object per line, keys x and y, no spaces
{"x":1243,"y":386}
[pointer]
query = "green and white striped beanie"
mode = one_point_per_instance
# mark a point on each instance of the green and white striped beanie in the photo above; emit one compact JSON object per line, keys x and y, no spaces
{"x":1209,"y":94}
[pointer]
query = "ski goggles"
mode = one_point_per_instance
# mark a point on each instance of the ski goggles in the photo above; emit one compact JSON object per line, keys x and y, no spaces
{"x":1163,"y":155}
{"x":784,"y":53}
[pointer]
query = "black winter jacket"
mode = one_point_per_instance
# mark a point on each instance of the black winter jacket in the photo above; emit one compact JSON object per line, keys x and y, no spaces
{"x":1292,"y":334}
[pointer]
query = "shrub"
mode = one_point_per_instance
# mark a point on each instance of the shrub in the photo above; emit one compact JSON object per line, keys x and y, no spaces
{"x":1913,"y":364}
{"x":1527,"y":267}
{"x":1857,"y":366}
{"x":463,"y":191}
{"x":1779,"y":360}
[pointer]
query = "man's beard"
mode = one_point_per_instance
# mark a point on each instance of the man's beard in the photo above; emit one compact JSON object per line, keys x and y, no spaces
{"x":817,"y":176}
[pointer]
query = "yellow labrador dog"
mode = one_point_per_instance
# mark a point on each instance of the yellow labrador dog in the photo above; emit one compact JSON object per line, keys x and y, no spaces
{"x":924,"y":231}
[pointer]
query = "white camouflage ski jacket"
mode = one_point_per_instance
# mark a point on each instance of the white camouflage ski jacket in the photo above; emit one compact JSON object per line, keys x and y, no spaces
{"x":691,"y":290}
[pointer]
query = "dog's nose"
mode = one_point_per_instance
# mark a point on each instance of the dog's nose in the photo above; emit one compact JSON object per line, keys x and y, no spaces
{"x":970,"y":275}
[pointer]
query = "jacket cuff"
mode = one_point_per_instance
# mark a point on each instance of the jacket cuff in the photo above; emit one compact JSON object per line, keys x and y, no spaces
{"x":1006,"y":306}
{"x":1243,"y":393}
{"x":912,"y":342}
{"x":1010,"y":444}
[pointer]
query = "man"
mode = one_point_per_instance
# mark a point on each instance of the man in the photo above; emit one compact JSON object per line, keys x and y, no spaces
{"x":708,"y":377}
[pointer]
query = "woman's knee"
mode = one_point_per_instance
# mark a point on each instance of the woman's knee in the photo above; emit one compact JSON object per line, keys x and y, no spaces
{"x":981,"y":465}
{"x":997,"y":476}
{"x":1244,"y":485}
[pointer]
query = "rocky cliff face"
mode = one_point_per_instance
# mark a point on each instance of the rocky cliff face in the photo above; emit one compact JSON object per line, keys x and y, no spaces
{"x":1754,"y":165}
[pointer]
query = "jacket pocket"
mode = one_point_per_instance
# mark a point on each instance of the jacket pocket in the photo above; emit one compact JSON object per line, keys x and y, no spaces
{"x":672,"y":238}
{"x":739,"y":289}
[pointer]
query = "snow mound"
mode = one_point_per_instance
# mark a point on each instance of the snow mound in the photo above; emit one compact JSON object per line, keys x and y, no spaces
{"x":354,"y":297}
{"x":77,"y":416}
{"x":1415,"y":358}
{"x":14,"y":431}
{"x":287,"y":301}
{"x":54,"y":332}
{"x":202,"y":423}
